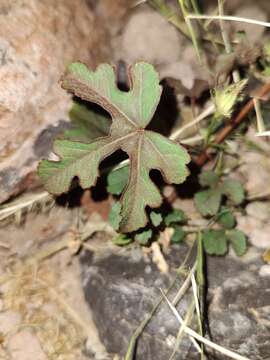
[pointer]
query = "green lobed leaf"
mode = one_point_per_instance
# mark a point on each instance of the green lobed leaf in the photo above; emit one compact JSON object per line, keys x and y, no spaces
{"x":117,"y":180}
{"x":175,"y":216}
{"x":238,"y":241}
{"x":178,"y":235}
{"x":144,"y":236}
{"x":114,"y":215}
{"x":131,"y":112}
{"x":234,"y":190}
{"x":86,"y":124}
{"x":226,"y":218}
{"x":208,"y":179}
{"x":208,"y":201}
{"x":156,"y":218}
{"x":215,"y":242}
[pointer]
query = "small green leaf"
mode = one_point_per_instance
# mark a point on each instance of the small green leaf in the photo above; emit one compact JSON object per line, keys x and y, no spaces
{"x":175,"y":216}
{"x":144,"y":236}
{"x":215,"y":242}
{"x":121,"y":240}
{"x":208,"y":201}
{"x":226,"y":219}
{"x":234,"y":190}
{"x":86,"y":124}
{"x":238,"y":241}
{"x":178,"y":235}
{"x":114,"y":215}
{"x":156,"y":218}
{"x":117,"y":180}
{"x":208,"y":178}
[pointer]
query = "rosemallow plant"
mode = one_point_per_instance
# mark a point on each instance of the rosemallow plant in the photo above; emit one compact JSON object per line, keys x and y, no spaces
{"x":131,"y":112}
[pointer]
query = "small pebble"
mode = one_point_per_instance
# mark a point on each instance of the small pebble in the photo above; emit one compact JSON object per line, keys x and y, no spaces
{"x":264,"y":271}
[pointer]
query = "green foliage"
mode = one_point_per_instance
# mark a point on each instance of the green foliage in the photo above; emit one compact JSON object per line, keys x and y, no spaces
{"x":117,"y":180}
{"x":131,"y":112}
{"x":178,"y":235}
{"x":226,"y":219}
{"x":86,"y":125}
{"x":208,"y":179}
{"x":238,"y":241}
{"x":233,"y":190}
{"x":216,"y":242}
{"x":156,"y":218}
{"x":208,"y":201}
{"x":175,"y":216}
{"x":175,"y":219}
{"x":114,"y":215}
{"x":144,"y":236}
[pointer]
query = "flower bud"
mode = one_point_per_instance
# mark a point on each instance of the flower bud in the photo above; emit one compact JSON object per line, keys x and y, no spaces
{"x":225,"y":98}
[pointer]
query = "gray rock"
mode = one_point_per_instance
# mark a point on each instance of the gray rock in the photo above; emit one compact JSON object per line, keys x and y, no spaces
{"x":121,"y":293}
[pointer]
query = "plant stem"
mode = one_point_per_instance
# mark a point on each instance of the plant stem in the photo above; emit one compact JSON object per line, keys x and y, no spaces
{"x":225,"y":37}
{"x":208,"y":111}
{"x":201,"y":284}
{"x":190,"y":29}
{"x":232,"y":125}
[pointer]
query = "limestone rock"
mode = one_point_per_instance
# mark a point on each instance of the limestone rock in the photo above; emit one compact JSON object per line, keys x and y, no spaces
{"x":37,"y":40}
{"x":148,"y":36}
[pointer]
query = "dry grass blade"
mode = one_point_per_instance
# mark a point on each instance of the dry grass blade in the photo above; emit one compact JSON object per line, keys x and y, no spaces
{"x":200,"y":338}
{"x":197,"y":307}
{"x":185,"y":286}
{"x":135,"y":336}
{"x":260,"y":122}
{"x":181,"y":331}
{"x":25,"y":203}
{"x":229,"y":18}
{"x":209,"y":111}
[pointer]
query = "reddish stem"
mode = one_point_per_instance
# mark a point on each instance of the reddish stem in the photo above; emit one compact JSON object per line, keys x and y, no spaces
{"x":232,"y":125}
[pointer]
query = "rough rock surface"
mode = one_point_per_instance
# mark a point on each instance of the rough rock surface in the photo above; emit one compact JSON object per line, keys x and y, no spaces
{"x":146,"y":28}
{"x":37,"y":40}
{"x":125,"y":289}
